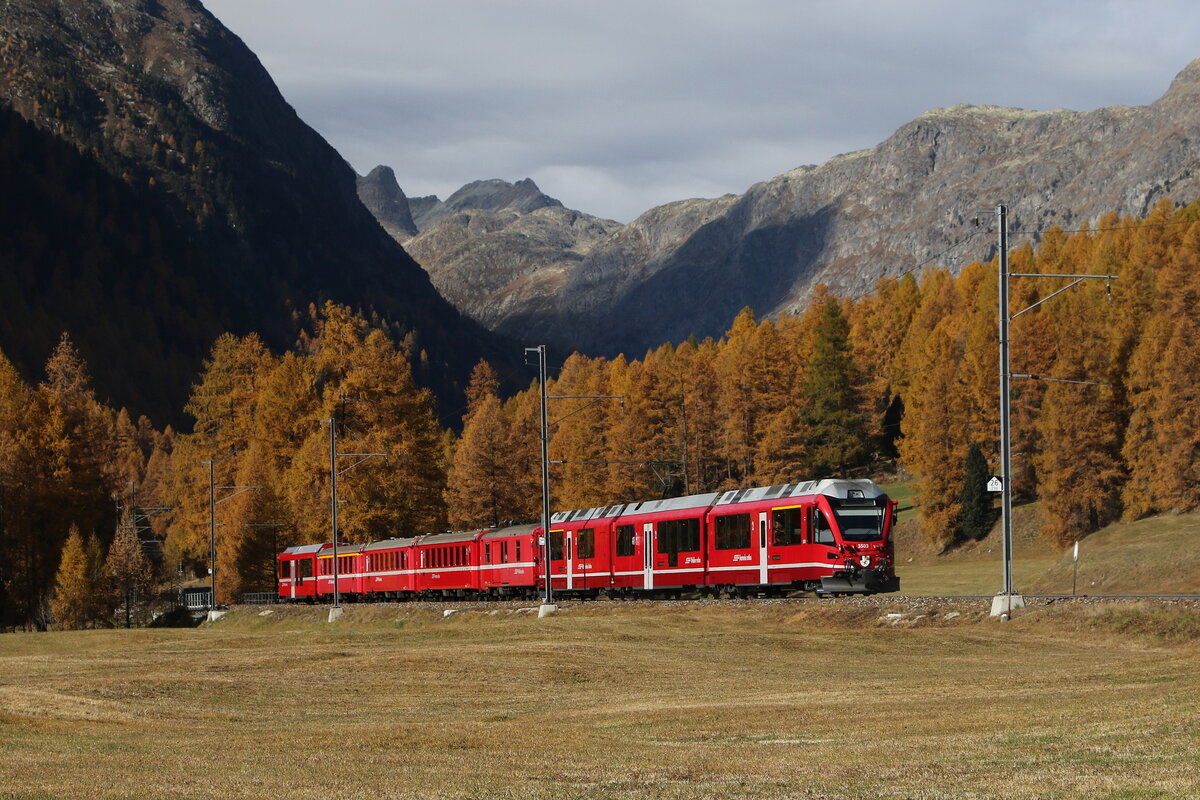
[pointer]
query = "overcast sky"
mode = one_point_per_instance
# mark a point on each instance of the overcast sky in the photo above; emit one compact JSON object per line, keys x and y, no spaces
{"x":614,"y":107}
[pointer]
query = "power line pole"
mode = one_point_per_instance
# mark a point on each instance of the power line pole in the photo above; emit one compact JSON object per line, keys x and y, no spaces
{"x":540,"y":352}
{"x":1008,"y":598}
{"x":213,"y":502}
{"x":336,"y":610}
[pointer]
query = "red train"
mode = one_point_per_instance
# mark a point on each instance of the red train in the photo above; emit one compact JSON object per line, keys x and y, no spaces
{"x":829,"y":537}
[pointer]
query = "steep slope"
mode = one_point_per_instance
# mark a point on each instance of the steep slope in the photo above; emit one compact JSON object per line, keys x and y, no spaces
{"x":85,"y":251}
{"x":168,"y":101}
{"x":689,"y":267}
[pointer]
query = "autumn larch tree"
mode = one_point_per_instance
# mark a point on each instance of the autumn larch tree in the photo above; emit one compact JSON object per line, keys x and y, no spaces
{"x":132,"y":574}
{"x":72,"y":585}
{"x":480,"y":480}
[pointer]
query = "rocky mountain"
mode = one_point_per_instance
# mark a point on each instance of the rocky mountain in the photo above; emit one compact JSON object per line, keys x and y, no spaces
{"x":689,"y":267}
{"x":257,"y":212}
{"x":383,"y":197}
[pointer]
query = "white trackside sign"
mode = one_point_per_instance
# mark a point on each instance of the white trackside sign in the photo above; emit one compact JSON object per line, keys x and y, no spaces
{"x":995,"y":484}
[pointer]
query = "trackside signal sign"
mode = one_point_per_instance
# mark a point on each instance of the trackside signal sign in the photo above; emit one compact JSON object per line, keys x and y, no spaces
{"x":995,"y":484}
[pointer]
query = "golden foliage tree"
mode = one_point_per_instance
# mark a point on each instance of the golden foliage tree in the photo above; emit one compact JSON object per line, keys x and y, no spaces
{"x":131,"y":572}
{"x":480,"y":483}
{"x":71,"y":603}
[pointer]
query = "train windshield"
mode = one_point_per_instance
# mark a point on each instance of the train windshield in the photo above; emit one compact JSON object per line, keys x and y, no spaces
{"x":859,"y":520}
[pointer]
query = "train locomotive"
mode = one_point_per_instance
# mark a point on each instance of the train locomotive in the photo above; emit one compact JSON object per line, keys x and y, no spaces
{"x":829,"y":537}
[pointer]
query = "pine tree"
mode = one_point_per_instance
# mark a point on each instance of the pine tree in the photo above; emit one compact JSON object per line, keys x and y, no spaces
{"x":976,"y":515}
{"x":835,"y":437}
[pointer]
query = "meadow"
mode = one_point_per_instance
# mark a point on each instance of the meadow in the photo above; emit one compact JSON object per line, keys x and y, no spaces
{"x":869,"y":698}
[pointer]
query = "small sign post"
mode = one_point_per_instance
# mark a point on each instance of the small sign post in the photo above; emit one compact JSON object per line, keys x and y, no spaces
{"x":995,"y":484}
{"x":1075,"y":569}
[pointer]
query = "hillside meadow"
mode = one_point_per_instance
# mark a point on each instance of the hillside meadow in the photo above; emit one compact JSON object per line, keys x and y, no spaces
{"x":867,"y":698}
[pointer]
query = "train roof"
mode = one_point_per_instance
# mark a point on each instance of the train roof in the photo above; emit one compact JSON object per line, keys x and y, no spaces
{"x":671,"y":504}
{"x":303,"y":549}
{"x":831,"y":487}
{"x":511,"y":530}
{"x":585,"y":514}
{"x":343,"y":549}
{"x":388,"y":544}
{"x":450,"y":537}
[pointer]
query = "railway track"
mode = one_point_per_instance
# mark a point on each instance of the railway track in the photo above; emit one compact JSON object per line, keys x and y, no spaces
{"x":877,"y":600}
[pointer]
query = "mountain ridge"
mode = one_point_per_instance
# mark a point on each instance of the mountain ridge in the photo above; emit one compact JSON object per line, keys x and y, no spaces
{"x":169,"y":101}
{"x":846,"y":223}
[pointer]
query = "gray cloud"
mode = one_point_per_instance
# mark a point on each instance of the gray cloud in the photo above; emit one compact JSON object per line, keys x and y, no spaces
{"x":616,"y":107}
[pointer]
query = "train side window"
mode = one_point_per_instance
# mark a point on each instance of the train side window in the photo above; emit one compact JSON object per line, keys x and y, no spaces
{"x":625,"y":541}
{"x":785,"y":526}
{"x":305,"y":569}
{"x":556,"y":545}
{"x":586,"y":543}
{"x":733,"y":532}
{"x":518,"y":550}
{"x":822,"y":533}
{"x":487,"y":553}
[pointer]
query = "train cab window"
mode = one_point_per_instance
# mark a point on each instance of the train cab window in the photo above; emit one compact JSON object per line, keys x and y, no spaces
{"x":625,"y":541}
{"x":585,"y":546}
{"x":733,"y":532}
{"x":556,"y":545}
{"x":822,"y":533}
{"x":786,"y":526}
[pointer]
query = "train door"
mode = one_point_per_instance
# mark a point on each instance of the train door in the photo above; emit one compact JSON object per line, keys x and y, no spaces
{"x":585,"y":556}
{"x":821,"y":534}
{"x":557,"y":554}
{"x":763,"y":565}
{"x":569,"y":544}
{"x":648,"y":553}
{"x":787,"y":536}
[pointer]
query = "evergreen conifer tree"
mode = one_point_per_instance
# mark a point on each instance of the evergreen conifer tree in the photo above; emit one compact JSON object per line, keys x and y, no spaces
{"x":975,"y":516}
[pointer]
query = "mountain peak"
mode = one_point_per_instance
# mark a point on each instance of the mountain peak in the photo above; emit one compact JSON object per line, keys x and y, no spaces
{"x":1186,"y":86}
{"x":382,"y":195}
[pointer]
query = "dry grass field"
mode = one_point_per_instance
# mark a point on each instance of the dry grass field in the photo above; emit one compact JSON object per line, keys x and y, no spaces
{"x":753,"y":699}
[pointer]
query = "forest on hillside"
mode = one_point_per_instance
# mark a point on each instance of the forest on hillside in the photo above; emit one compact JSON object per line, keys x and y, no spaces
{"x":903,"y":378}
